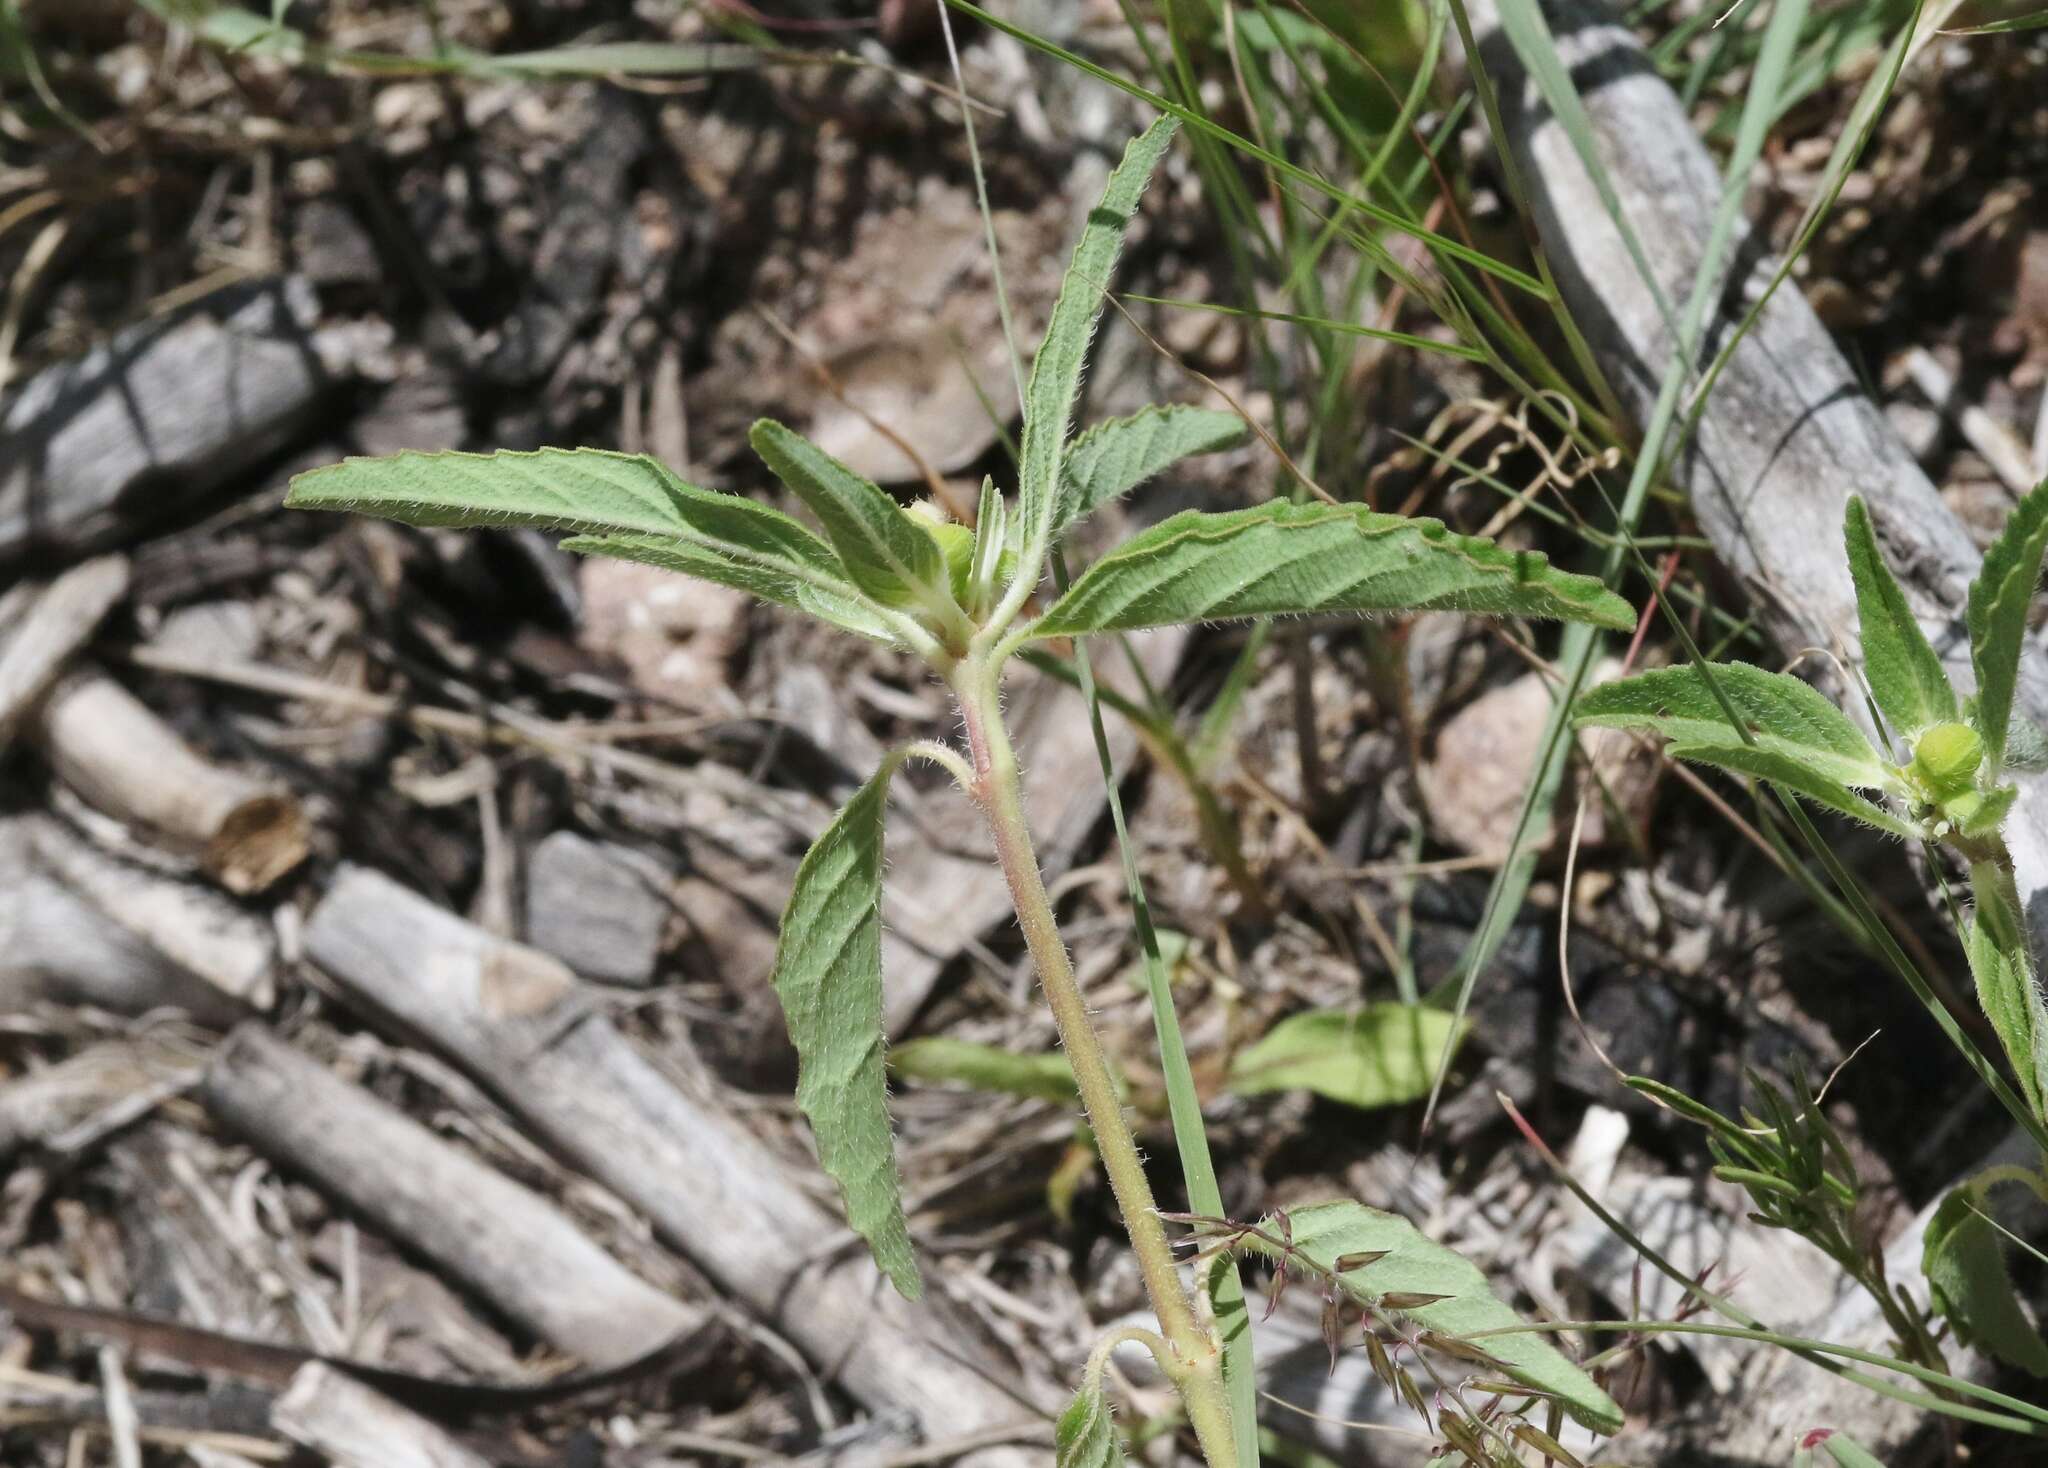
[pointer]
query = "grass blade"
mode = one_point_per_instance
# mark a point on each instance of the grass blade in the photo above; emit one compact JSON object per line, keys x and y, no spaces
{"x":1183,"y":1100}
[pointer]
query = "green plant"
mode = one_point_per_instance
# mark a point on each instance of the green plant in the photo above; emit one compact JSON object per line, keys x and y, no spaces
{"x":1801,"y":1177}
{"x":961,"y":599}
{"x":1940,"y":779}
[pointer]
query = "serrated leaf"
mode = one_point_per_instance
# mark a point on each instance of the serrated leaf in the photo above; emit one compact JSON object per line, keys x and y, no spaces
{"x":838,"y":604}
{"x":1056,"y":371}
{"x":885,"y":553}
{"x":631,"y":503}
{"x":1967,"y":1278}
{"x":1283,"y":558}
{"x":1905,"y":673}
{"x":1411,"y":1264}
{"x":1113,"y":458}
{"x":828,"y":975}
{"x":985,"y":1067}
{"x":1085,"y":1436}
{"x":1782,"y":714}
{"x":1997,"y":617}
{"x":1381,"y":1055}
{"x":2026,"y":746}
{"x":2006,"y":990}
{"x":1795,"y":773}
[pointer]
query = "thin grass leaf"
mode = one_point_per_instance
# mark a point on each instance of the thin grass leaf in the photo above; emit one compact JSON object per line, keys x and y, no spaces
{"x":243,"y":32}
{"x":1113,"y":458}
{"x":1970,"y":1288}
{"x":1063,"y":353}
{"x":1847,"y":1452}
{"x":624,"y":505}
{"x":1850,"y":142}
{"x":1580,"y":644}
{"x":1320,"y":323}
{"x":1381,"y":1055}
{"x":1282,"y":558}
{"x":1196,"y":121}
{"x":1409,"y":1264}
{"x":1523,"y":23}
{"x":2034,"y":22}
{"x":625,"y":58}
{"x":1795,"y":774}
{"x":984,"y":1068}
{"x":1224,"y":1285}
{"x":1782,"y":715}
{"x":1085,"y":1435}
{"x":1997,"y":617}
{"x":828,"y":975}
{"x":1905,"y":673}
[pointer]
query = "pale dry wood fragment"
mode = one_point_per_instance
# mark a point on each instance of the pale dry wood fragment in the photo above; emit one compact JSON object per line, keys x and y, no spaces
{"x":599,"y":907}
{"x":94,"y":450}
{"x":353,"y":1426}
{"x":68,"y":1104}
{"x":513,"y":1248}
{"x":57,"y":947}
{"x":194,"y":926}
{"x":108,"y":746}
{"x":529,"y":1031}
{"x":59,"y":621}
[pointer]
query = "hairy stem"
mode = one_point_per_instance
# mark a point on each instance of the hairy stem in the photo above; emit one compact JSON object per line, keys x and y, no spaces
{"x":1196,"y":1363}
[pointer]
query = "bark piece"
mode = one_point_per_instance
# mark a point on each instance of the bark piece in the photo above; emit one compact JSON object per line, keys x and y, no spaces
{"x":513,"y":1248}
{"x":526,"y":1029}
{"x":92,"y":451}
{"x":353,"y":1426}
{"x":106,"y":744}
{"x":61,"y":620}
{"x":599,"y":908}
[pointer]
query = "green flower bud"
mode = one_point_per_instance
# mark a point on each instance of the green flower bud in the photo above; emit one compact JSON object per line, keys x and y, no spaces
{"x":1945,"y":760}
{"x":955,"y":542}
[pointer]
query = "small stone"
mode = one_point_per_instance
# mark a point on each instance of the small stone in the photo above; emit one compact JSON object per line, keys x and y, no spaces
{"x":1485,"y":755}
{"x":601,"y":909}
{"x":676,"y":635}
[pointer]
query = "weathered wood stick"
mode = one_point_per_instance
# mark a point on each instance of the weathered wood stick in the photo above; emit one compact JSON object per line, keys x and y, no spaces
{"x":83,"y":1095}
{"x":106,"y":744}
{"x":57,"y":947}
{"x":192,"y":925}
{"x":513,"y":1248}
{"x":526,"y":1028}
{"x":92,"y":451}
{"x":354,"y":1426}
{"x":60,"y":621}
